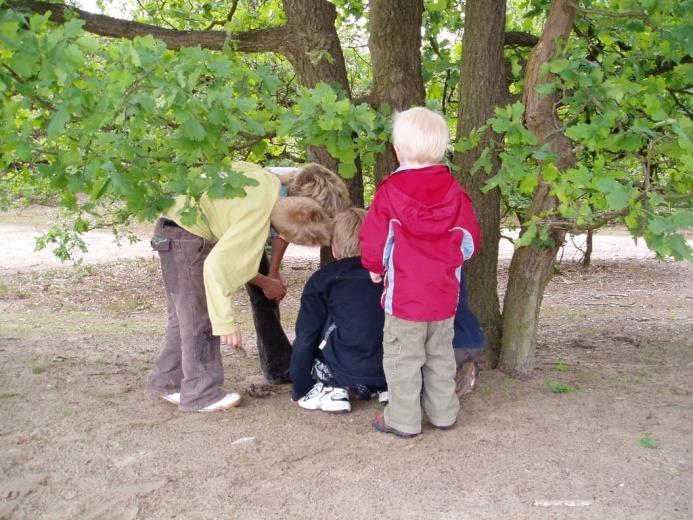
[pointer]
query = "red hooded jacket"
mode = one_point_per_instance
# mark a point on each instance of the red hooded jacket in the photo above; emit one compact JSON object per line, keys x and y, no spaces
{"x":418,"y":231}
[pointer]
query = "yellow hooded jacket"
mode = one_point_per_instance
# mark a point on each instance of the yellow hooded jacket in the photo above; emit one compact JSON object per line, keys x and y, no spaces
{"x":238,"y":228}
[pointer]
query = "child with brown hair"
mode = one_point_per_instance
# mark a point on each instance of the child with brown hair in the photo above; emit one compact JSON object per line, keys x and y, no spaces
{"x":203,"y":265}
{"x":339,"y":331}
{"x":329,"y":190}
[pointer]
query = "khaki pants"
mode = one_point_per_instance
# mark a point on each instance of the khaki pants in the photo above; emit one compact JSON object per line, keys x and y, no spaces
{"x":416,"y":355}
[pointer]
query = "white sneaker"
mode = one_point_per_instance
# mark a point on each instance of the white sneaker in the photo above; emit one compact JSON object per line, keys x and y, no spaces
{"x":228,"y":401}
{"x":172,"y":398}
{"x":326,"y":398}
{"x":382,"y":397}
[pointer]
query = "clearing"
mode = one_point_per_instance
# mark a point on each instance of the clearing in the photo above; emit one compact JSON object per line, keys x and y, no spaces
{"x":79,"y":439}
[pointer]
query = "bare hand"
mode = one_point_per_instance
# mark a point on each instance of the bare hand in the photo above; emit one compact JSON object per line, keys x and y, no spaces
{"x":274,"y":289}
{"x":276,"y":275}
{"x":375,"y":277}
{"x":234,"y":339}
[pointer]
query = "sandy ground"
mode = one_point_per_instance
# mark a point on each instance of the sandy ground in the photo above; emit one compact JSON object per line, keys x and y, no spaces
{"x":78,"y":438}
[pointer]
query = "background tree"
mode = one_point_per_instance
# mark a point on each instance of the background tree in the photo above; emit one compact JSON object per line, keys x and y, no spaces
{"x":483,"y":87}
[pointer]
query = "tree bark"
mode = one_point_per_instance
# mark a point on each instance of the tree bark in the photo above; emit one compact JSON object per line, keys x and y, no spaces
{"x":589,"y":244}
{"x":312,"y":27}
{"x":483,"y":86}
{"x":531,"y":268}
{"x":395,"y":45}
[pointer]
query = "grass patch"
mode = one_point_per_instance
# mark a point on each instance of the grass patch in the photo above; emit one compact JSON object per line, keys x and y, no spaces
{"x":561,"y":366}
{"x":559,"y":388}
{"x":647,"y":442}
{"x":38,"y":367}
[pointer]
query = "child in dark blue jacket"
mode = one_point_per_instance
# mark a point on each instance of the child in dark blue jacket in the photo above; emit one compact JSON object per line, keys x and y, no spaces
{"x":339,"y":330}
{"x":468,"y":344}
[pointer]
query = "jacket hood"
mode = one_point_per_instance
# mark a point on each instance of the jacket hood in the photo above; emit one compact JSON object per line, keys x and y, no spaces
{"x":425,"y":200}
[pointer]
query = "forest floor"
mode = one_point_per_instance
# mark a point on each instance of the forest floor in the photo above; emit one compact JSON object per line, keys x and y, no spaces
{"x":79,"y":439}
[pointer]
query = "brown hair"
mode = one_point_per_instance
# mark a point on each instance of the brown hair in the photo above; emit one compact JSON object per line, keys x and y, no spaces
{"x":302,"y":221}
{"x":320,"y":184}
{"x":345,"y":235}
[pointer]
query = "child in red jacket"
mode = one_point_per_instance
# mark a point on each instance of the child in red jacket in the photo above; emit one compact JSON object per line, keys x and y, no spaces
{"x":417,"y":233}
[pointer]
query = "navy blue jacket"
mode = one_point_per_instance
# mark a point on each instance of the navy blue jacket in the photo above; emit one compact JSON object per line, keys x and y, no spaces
{"x":340,"y":294}
{"x":468,"y":331}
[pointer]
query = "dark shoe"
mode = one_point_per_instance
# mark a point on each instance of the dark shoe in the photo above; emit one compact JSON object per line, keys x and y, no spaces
{"x":466,"y":377}
{"x":279,"y":380}
{"x":380,"y":425}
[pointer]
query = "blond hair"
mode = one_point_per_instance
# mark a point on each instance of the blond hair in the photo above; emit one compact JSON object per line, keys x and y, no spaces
{"x":320,"y":184}
{"x":420,"y":136}
{"x":302,"y":221}
{"x":345,"y":234}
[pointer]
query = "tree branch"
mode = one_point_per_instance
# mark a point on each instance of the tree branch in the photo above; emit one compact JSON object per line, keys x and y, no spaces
{"x":229,"y":16}
{"x":262,"y":40}
{"x":522,"y":39}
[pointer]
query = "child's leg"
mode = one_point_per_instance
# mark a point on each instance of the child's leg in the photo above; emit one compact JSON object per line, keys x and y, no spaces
{"x":273,"y":346}
{"x":182,"y":267}
{"x":167,"y":374}
{"x":202,"y":366}
{"x":439,"y":398}
{"x":403,"y":356}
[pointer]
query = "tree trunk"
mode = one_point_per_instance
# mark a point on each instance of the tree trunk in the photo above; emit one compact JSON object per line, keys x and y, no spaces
{"x":311,"y":24}
{"x":589,"y":244}
{"x":483,"y":86}
{"x":395,"y":45}
{"x":531,"y":268}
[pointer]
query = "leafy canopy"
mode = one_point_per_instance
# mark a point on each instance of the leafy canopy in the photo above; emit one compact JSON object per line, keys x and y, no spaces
{"x":623,"y":85}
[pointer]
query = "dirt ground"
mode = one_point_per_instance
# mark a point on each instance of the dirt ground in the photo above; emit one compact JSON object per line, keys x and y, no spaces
{"x":79,"y":439}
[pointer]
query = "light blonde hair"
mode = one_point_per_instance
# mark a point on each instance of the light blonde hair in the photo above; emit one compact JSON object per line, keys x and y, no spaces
{"x":302,"y":221}
{"x":345,"y":235}
{"x":320,"y":184}
{"x":420,"y":136}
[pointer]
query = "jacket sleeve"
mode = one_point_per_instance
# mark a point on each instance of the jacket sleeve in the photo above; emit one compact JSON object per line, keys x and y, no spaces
{"x":374,"y":231}
{"x":233,"y":261}
{"x":311,"y":320}
{"x":471,"y":239}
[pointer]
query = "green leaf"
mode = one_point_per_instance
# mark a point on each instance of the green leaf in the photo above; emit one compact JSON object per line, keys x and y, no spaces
{"x":527,"y":236}
{"x":25,"y":64}
{"x":73,"y":27}
{"x":484,"y":161}
{"x":528,"y":183}
{"x":8,"y":29}
{"x":559,"y":388}
{"x":558,"y":65}
{"x":546,"y":89}
{"x":193,"y":130}
{"x":57,"y":124}
{"x":647,"y":442}
{"x":617,"y":198}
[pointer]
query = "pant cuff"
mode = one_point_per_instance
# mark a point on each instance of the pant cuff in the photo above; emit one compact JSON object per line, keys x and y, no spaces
{"x":404,"y":428}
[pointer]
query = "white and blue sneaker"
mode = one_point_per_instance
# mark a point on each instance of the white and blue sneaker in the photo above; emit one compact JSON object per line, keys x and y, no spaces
{"x":326,"y":398}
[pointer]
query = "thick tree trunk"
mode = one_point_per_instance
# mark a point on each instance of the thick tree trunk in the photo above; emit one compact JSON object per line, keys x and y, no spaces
{"x":312,"y":27}
{"x":483,"y":86}
{"x":531,"y":268}
{"x":395,"y":45}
